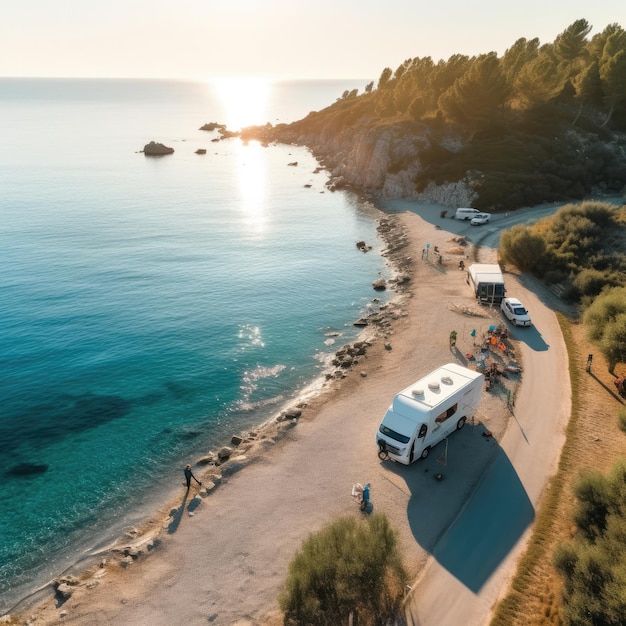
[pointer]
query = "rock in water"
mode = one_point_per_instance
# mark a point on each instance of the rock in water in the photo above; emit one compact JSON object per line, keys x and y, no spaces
{"x":156,"y":149}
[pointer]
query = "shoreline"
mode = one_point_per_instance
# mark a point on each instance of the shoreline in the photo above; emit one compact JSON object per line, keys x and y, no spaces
{"x":262,"y":508}
{"x":213,"y":471}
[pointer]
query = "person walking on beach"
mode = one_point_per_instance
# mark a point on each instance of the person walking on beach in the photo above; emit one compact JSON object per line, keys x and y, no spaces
{"x":189,"y":475}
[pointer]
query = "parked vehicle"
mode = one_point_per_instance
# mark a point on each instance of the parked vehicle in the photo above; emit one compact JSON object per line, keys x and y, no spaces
{"x":423,"y":414}
{"x":515,"y":312}
{"x":480,"y":218}
{"x":466,"y":214}
{"x":487,"y":282}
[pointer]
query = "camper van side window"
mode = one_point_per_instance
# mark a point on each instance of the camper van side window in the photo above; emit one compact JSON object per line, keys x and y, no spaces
{"x":446,"y":414}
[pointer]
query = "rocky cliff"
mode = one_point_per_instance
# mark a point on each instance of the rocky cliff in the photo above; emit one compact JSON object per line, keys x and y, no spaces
{"x":503,"y":169}
{"x":380,"y":161}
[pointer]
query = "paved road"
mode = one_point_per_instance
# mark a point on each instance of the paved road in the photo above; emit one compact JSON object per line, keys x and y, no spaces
{"x":474,"y":559}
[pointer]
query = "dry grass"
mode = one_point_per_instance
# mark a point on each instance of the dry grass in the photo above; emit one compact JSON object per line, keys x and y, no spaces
{"x":594,"y":440}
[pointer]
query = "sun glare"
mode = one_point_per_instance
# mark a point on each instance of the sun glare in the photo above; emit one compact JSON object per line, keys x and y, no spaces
{"x":244,"y":100}
{"x":252,"y":175}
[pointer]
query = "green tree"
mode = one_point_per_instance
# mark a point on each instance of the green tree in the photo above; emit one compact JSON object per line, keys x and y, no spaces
{"x":519,"y":54}
{"x":348,"y":571}
{"x":605,"y":320}
{"x":403,"y":95}
{"x":385,"y":77}
{"x":589,"y":89}
{"x":570,"y":45}
{"x":610,"y":37}
{"x":475,"y":97}
{"x":541,"y":79}
{"x":613,"y":75}
{"x":445,"y":73}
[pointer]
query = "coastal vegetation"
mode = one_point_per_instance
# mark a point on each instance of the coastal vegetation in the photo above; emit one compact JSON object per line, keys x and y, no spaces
{"x":592,"y":565}
{"x":350,"y":572}
{"x":580,"y":249}
{"x":594,"y":443}
{"x":542,"y":122}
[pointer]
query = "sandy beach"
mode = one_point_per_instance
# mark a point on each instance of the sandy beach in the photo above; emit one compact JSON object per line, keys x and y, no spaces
{"x":220,"y":555}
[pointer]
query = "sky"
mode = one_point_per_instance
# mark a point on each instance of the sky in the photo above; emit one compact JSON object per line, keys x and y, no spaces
{"x":276,"y":39}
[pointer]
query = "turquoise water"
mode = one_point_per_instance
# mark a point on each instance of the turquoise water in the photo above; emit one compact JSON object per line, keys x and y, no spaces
{"x":152,"y":307}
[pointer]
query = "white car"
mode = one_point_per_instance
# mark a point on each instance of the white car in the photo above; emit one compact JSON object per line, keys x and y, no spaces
{"x":480,"y":218}
{"x":515,"y":312}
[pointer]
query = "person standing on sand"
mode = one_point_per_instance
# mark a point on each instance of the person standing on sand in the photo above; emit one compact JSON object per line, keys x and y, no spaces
{"x":189,"y":475}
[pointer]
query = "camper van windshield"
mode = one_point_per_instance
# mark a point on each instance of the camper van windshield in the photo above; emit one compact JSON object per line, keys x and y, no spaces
{"x":393,"y":434}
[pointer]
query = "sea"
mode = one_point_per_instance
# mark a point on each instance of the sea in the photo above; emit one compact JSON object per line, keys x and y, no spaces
{"x":152,"y":307}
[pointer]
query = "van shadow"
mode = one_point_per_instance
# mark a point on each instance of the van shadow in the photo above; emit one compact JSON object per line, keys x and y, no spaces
{"x":531,"y":337}
{"x":470,"y":512}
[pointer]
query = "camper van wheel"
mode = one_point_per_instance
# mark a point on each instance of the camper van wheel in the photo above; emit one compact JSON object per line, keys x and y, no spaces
{"x":461,"y":423}
{"x":425,"y":452}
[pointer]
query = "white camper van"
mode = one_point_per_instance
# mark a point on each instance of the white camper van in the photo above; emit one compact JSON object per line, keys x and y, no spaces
{"x":423,"y":414}
{"x":487,"y":282}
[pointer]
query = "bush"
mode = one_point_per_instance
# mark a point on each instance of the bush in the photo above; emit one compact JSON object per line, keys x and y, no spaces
{"x":621,"y":417}
{"x":593,"y":567}
{"x":605,"y":320}
{"x":521,"y":247}
{"x":590,"y":282}
{"x":594,"y":499}
{"x":348,"y":568}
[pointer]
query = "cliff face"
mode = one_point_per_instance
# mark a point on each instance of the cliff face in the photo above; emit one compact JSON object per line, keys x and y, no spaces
{"x":380,"y":161}
{"x":503,"y":167}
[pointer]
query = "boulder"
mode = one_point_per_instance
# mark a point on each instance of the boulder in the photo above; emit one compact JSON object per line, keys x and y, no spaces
{"x":156,"y":149}
{"x":65,"y":591}
{"x":224,"y":453}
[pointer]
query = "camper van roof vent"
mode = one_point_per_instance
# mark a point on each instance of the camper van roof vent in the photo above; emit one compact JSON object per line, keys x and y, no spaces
{"x":446,"y":380}
{"x":417,"y":391}
{"x":434,"y":385}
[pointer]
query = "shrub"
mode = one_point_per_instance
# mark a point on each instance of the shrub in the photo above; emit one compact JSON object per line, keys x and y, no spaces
{"x":590,"y":282}
{"x":605,"y":320}
{"x":594,"y":500}
{"x":521,"y":247}
{"x":593,"y":567}
{"x":621,"y":417}
{"x":348,"y":568}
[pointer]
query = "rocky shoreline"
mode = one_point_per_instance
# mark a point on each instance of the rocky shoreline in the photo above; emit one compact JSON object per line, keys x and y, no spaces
{"x":216,"y":467}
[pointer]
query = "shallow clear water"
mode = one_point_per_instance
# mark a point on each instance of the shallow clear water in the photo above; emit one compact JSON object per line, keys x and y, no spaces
{"x":152,"y":307}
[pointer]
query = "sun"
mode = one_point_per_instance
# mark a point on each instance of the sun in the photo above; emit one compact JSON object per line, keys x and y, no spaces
{"x":244,"y":100}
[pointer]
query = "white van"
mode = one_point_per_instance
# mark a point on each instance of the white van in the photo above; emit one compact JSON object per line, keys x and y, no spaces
{"x":466,"y":214}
